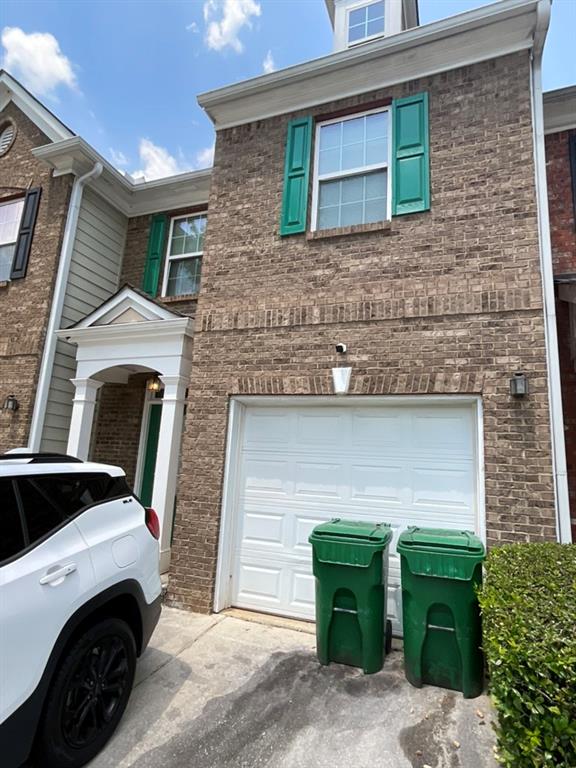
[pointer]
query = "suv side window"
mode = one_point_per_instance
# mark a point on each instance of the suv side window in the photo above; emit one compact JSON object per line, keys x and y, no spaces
{"x":41,"y":514}
{"x":12,"y":538}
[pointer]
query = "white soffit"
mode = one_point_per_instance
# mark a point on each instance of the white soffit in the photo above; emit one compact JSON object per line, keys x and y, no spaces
{"x":485,"y":33}
{"x":76,"y":156}
{"x":12,"y":91}
{"x":560,"y":110}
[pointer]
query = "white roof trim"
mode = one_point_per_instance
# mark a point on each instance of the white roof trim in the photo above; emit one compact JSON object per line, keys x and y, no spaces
{"x":151,"y":330}
{"x":125,"y":299}
{"x":11,"y":90}
{"x":560,"y":110}
{"x":484,"y":33}
{"x":76,"y":156}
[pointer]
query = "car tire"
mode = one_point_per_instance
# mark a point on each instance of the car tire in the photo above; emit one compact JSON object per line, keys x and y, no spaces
{"x":88,"y":695}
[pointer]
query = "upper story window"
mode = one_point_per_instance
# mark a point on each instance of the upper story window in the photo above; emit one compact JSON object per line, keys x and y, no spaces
{"x":10,"y":217}
{"x":184,"y":255}
{"x":351,"y":180}
{"x":365,"y":22}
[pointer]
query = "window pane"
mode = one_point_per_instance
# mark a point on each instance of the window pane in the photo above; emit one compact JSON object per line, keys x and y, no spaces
{"x":353,"y":189}
{"x":357,"y":16}
{"x":376,"y":185}
{"x":10,"y":215}
{"x":330,"y":136}
{"x":6,"y":259}
{"x":12,"y":538}
{"x":376,"y":125}
{"x":329,"y":161}
{"x":72,"y":493}
{"x":329,"y":193}
{"x":41,"y":514}
{"x":328,"y":218}
{"x":188,"y":235}
{"x":351,"y":214}
{"x":352,"y":156}
{"x":375,"y":211}
{"x":375,"y":27}
{"x":376,"y":151}
{"x":356,"y":33}
{"x":353,"y":130}
{"x":184,"y":277}
{"x":375,"y":11}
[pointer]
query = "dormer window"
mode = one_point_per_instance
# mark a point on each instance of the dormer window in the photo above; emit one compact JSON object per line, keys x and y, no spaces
{"x":365,"y":22}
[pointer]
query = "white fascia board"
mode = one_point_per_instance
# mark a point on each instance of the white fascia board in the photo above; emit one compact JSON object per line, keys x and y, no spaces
{"x":48,"y":123}
{"x":479,"y":35}
{"x":153,"y":330}
{"x":560,"y":110}
{"x":75,"y":156}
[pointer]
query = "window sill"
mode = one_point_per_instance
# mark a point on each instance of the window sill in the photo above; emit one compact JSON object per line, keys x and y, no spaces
{"x":176,"y":299}
{"x":355,"y":229}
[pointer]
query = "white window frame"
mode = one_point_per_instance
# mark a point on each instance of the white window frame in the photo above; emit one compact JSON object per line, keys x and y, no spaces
{"x":358,"y":6}
{"x":362,"y":171}
{"x":13,"y":201}
{"x":177,"y":257}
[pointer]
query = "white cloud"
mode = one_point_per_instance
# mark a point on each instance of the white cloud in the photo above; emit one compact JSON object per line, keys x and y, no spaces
{"x":157,"y":162}
{"x":118,"y":158}
{"x":193,"y":27}
{"x":36,"y":60}
{"x":205,"y":158}
{"x":225,"y":19}
{"x":268,"y":63}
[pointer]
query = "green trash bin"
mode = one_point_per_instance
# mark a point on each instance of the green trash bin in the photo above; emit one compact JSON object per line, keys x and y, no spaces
{"x":350,"y":563}
{"x":441,"y":570}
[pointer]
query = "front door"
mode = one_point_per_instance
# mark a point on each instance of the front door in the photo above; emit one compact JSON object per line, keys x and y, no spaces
{"x":150,"y":452}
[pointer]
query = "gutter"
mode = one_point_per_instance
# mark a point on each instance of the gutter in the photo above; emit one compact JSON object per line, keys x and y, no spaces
{"x":561,"y":497}
{"x":39,"y":413}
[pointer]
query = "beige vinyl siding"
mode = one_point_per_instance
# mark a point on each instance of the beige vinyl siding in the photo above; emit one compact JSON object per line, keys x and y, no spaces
{"x":94,"y":276}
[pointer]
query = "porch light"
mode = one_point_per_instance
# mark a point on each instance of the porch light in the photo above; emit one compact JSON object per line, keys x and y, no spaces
{"x":11,"y":404}
{"x":153,"y":384}
{"x":519,"y":385}
{"x":341,"y":379}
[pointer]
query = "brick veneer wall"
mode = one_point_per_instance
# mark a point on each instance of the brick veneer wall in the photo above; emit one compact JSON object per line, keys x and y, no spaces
{"x":117,"y":425}
{"x":25,"y":304}
{"x":563,"y":234}
{"x":443,"y":302}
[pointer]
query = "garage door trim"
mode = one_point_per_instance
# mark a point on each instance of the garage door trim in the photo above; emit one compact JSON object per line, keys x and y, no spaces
{"x":237,"y":409}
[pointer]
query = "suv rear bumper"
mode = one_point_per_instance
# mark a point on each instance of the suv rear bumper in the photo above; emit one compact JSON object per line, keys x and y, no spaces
{"x":150,"y":613}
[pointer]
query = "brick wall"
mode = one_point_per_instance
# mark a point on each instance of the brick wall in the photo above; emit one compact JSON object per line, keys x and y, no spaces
{"x":116,"y":435}
{"x":447,"y":301}
{"x":25,"y":303}
{"x":563,"y":234}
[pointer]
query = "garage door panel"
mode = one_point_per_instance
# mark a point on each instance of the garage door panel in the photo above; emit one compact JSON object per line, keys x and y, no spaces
{"x":400,"y":465}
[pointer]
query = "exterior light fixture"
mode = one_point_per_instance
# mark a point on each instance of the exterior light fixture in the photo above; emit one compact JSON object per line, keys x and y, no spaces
{"x":11,"y":404}
{"x":153,"y":384}
{"x":519,"y":385}
{"x":341,"y":379}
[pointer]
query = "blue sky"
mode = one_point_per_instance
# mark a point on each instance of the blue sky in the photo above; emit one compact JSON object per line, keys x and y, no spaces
{"x":124,"y":74}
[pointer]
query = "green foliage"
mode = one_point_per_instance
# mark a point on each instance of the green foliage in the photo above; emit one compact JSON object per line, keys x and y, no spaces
{"x":528,"y":605}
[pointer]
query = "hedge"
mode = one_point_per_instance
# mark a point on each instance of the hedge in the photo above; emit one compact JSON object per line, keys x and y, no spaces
{"x":528,"y":604}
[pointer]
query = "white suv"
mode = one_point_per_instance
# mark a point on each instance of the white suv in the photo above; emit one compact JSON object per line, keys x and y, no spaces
{"x":80,"y":595}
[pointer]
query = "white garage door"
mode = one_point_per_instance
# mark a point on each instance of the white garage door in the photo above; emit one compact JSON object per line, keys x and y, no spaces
{"x":403,"y":465}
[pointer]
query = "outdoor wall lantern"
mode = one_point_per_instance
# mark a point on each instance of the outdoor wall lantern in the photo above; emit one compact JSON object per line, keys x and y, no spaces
{"x":519,"y":385}
{"x":11,"y":404}
{"x":153,"y":384}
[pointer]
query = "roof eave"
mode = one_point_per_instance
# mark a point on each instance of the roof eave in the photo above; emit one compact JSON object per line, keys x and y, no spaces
{"x":560,"y":110}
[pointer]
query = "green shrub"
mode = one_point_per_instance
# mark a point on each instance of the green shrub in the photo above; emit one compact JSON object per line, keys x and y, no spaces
{"x":528,"y":604}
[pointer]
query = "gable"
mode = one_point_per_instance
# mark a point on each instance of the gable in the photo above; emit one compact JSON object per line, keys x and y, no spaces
{"x":127,"y":306}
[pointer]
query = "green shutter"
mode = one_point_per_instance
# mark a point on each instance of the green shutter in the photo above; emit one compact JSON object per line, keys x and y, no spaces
{"x":296,"y":171}
{"x":154,"y":255}
{"x":410,"y":155}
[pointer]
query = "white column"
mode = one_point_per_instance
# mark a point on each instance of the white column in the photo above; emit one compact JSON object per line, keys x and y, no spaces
{"x":166,"y":471}
{"x":82,"y":417}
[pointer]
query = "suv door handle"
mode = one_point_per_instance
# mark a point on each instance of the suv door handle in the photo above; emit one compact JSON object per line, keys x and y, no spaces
{"x":58,"y":574}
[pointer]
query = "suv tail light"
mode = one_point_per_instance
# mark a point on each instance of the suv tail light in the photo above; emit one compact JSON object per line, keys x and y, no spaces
{"x":152,"y":522}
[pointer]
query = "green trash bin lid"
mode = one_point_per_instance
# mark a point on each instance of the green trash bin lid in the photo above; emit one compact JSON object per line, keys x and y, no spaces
{"x":441,"y":552}
{"x":349,"y":542}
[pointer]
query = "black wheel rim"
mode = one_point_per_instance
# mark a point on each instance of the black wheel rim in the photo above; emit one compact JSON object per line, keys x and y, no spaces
{"x":95,"y":691}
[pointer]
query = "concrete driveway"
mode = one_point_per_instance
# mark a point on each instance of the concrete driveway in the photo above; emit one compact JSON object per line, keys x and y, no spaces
{"x":224,"y":692}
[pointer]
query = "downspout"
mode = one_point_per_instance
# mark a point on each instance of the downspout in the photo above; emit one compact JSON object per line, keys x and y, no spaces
{"x":561,"y":497}
{"x":55,"y":318}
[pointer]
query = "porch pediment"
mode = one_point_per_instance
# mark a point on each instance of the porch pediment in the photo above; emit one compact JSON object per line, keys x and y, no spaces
{"x":127,"y":307}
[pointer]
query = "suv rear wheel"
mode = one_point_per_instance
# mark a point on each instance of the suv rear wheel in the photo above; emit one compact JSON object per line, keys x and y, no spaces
{"x":88,"y":696}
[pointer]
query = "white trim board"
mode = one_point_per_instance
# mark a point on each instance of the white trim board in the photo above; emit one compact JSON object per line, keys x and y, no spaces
{"x":236,"y":416}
